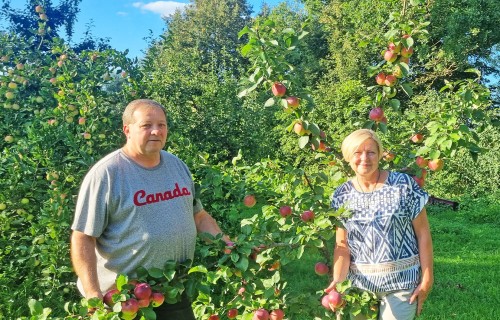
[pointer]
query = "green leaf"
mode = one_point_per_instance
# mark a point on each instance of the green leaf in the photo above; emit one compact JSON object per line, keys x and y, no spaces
{"x":121,"y":280}
{"x":243,"y":31}
{"x":148,"y":313}
{"x":407,"y":89}
{"x":238,"y":157}
{"x":199,"y":268}
{"x":447,"y":144}
{"x":303,"y":34}
{"x":36,"y":307}
{"x":368,"y":124}
{"x":408,"y":42}
{"x":246,"y":49}
{"x":313,"y":127}
{"x":242,"y":263}
{"x":270,"y":102}
{"x":303,"y":141}
{"x":394,"y":104}
{"x":156,"y":273}
{"x":383,"y":127}
{"x":434,"y":154}
{"x":422,"y":151}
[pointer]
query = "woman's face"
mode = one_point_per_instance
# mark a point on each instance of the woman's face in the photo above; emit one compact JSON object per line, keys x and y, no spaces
{"x":364,"y":160}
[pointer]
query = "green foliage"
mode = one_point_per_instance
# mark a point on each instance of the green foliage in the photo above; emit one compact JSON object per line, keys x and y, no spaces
{"x":57,"y":120}
{"x":194,"y":72}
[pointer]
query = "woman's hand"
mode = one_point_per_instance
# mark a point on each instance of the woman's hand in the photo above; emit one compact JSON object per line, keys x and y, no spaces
{"x":420,"y":295}
{"x":332,"y":287}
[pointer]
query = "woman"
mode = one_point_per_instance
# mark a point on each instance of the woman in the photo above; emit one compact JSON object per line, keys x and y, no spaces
{"x":385,"y":246}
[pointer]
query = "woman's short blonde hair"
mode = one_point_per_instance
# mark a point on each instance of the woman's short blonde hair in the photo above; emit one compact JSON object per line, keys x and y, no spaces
{"x":352,"y":142}
{"x":128,"y":114}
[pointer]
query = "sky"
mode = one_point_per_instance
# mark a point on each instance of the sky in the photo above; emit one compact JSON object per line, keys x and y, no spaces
{"x":128,"y":22}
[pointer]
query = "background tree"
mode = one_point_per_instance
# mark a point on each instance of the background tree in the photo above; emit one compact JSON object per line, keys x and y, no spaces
{"x":194,"y":71}
{"x":49,"y":20}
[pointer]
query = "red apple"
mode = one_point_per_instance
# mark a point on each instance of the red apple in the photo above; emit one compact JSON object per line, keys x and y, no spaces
{"x":129,"y":307}
{"x":38,"y":9}
{"x":435,"y":164}
{"x":157,"y":299}
{"x":278,"y":89}
{"x":299,"y":129}
{"x":405,"y":60}
{"x":241,"y":291}
{"x":307,"y":216}
{"x":108,"y":297}
{"x":229,"y":247}
{"x":321,"y":146}
{"x":421,"y":162}
{"x":143,"y":303}
{"x":388,"y":156}
{"x":276,"y":314}
{"x":396,"y":48}
{"x":390,"y":56}
{"x":380,"y":78}
{"x":397,"y":72}
{"x":285,"y":211}
{"x":143,"y":291}
{"x":261,"y":314}
{"x":390,"y":80}
{"x":249,"y":200}
{"x":334,"y":299}
{"x":417,"y":138}
{"x":275,"y":266}
{"x":232,"y":313}
{"x":213,"y":317}
{"x":420,"y":181}
{"x":324,"y":302}
{"x":293,"y":102}
{"x":406,"y":52}
{"x":423,"y":173}
{"x":376,"y":114}
{"x":81,"y":121}
{"x":321,"y":268}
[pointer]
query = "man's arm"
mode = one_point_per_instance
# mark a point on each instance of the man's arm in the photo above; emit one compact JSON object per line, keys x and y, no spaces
{"x":205,"y":223}
{"x":84,"y":262}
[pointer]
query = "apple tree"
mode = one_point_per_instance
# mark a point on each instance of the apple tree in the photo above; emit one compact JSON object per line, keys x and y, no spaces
{"x":60,"y":112}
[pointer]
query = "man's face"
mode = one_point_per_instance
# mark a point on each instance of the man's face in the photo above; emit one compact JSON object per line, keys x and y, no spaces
{"x":147,"y":134}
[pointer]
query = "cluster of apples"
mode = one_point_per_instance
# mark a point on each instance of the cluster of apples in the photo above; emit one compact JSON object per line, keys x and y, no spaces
{"x":290,"y":103}
{"x":332,"y":300}
{"x":396,"y":53}
{"x":141,"y":295}
{"x":260,"y":314}
{"x":423,"y":163}
{"x":43,"y":17}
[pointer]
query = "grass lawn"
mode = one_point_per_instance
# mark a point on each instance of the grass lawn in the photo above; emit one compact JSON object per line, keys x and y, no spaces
{"x":466,"y":263}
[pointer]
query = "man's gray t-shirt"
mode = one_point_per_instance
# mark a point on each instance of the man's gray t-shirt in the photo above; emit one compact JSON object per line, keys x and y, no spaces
{"x":141,"y":217}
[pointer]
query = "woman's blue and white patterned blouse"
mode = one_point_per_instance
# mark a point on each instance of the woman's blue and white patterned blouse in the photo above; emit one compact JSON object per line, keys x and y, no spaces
{"x":381,"y":239}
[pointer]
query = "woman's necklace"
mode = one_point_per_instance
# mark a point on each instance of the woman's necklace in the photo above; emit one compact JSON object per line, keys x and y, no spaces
{"x":366,"y":200}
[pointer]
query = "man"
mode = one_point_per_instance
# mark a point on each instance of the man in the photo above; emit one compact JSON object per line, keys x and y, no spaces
{"x":136,"y":208}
